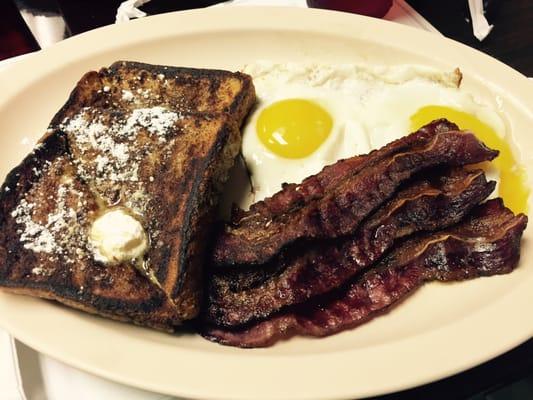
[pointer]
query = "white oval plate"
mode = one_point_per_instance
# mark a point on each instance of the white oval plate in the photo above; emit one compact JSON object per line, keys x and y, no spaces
{"x":439,"y":331}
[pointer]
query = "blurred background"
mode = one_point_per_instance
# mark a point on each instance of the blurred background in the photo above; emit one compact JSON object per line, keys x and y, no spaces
{"x":29,"y":25}
{"x":511,"y":40}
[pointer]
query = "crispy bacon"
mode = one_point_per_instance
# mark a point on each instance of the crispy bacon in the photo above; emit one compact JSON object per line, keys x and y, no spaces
{"x":341,"y":209}
{"x":433,"y":202}
{"x":295,"y":195}
{"x":486,"y":243}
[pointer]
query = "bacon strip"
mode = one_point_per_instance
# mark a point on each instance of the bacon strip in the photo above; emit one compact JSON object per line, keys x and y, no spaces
{"x":342,"y":209}
{"x":311,"y":269}
{"x":486,"y":243}
{"x":294,"y":196}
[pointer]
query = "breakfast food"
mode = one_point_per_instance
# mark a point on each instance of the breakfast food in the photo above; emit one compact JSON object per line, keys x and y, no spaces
{"x":344,"y":110}
{"x":434,"y":201}
{"x":486,"y":243}
{"x":111,"y":211}
{"x":313,"y":187}
{"x":366,"y":106}
{"x":344,"y":206}
{"x":348,"y":242}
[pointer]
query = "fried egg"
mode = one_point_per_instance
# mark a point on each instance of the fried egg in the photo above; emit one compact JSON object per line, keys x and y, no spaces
{"x":309,"y":116}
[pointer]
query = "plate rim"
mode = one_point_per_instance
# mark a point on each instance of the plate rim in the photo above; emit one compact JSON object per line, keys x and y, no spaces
{"x":135,"y":33}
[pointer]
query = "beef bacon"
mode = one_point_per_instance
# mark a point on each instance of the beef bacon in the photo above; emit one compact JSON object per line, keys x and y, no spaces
{"x":484,"y":244}
{"x":339,"y":211}
{"x":434,"y":202}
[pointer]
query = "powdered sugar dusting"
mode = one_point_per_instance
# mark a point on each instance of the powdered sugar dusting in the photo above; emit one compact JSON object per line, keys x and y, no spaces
{"x":127,"y":95}
{"x":35,"y":236}
{"x":157,"y":120}
{"x":38,"y":271}
{"x":111,"y":150}
{"x":53,"y":235}
{"x":108,"y":146}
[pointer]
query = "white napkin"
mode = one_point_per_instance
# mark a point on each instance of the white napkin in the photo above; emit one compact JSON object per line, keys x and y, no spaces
{"x":480,"y":25}
{"x":129,"y":9}
{"x":10,"y":382}
{"x":47,"y":29}
{"x":61,"y":381}
{"x":58,"y":381}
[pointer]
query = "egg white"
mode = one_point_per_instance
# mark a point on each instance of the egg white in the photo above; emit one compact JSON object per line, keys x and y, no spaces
{"x":268,"y":170}
{"x":370,"y":106}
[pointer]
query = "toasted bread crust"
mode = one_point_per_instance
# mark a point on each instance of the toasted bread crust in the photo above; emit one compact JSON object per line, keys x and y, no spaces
{"x":207,"y":91}
{"x":181,"y":174}
{"x":73,"y":283}
{"x":222,"y":91}
{"x":200,"y":215}
{"x":158,"y":320}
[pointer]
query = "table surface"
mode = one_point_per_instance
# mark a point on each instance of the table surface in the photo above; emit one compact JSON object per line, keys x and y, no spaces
{"x":511,"y":40}
{"x":509,"y":376}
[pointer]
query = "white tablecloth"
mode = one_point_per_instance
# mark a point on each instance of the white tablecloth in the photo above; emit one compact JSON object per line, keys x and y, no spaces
{"x":26,"y":374}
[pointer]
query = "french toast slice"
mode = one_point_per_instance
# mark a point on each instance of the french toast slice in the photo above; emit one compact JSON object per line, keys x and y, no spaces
{"x":45,"y":213}
{"x":155,"y":141}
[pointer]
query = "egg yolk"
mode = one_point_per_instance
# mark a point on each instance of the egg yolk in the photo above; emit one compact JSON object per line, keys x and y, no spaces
{"x":512,"y":186}
{"x":293,"y":128}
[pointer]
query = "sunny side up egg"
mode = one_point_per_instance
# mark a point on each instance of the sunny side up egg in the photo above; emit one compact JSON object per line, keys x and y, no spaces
{"x":309,"y":116}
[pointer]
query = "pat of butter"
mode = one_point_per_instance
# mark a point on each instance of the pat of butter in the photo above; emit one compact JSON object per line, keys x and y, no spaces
{"x":117,"y":236}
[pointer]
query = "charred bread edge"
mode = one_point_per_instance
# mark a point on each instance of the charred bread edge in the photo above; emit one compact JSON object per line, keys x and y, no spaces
{"x":49,"y":144}
{"x":60,"y":298}
{"x":242,"y":102}
{"x":202,"y":184}
{"x":50,"y":147}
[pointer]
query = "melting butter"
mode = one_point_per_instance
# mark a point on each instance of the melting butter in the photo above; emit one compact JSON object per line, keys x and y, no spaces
{"x":117,"y":236}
